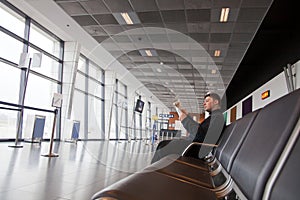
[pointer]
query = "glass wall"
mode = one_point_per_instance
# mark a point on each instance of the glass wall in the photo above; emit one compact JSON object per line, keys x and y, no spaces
{"x":148,"y":121}
{"x":20,"y":34}
{"x":138,"y":127}
{"x":122,"y":125}
{"x":88,"y":100}
{"x":119,"y":120}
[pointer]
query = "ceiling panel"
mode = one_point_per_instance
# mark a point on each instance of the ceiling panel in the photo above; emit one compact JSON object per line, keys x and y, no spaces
{"x":73,"y":8}
{"x":170,"y":4}
{"x":174,"y":16}
{"x":201,"y":27}
{"x":196,"y":4}
{"x":222,"y":27}
{"x":144,"y":5}
{"x":95,"y":30}
{"x":95,"y":7}
{"x":105,"y":19}
{"x":251,"y":14}
{"x":198,"y":15}
{"x":85,"y":20}
{"x":150,"y":17}
{"x":118,"y":5}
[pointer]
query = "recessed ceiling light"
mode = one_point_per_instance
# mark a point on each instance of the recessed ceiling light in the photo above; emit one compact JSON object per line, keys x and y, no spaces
{"x":127,"y":18}
{"x":213,"y":71}
{"x":217,"y":53}
{"x":161,"y":63}
{"x":224,"y":14}
{"x":148,"y":53}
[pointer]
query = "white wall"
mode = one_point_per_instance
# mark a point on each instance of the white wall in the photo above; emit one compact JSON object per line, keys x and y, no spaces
{"x":297,"y":74}
{"x":277,"y":87}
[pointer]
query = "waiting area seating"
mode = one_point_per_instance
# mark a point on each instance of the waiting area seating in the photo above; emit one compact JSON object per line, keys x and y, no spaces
{"x":257,"y":157}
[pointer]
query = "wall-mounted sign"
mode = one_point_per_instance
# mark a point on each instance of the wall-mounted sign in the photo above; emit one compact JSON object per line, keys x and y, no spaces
{"x":265,"y":94}
{"x":154,"y":117}
{"x":166,"y":115}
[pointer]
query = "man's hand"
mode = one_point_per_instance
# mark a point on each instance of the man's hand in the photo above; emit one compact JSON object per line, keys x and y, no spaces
{"x":183,"y":114}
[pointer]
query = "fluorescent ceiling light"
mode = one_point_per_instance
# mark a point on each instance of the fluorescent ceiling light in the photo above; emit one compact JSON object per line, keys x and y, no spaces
{"x":224,"y":14}
{"x":148,"y":53}
{"x":126,"y":17}
{"x":217,"y":53}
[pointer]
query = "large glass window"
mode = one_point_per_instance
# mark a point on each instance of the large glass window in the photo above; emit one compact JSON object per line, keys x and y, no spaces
{"x":138,"y":121}
{"x":49,"y":66}
{"x":113,"y":123}
{"x":9,"y":76}
{"x":95,"y":73}
{"x":39,"y":92}
{"x":119,"y":119}
{"x":95,"y":88}
{"x":95,"y":118}
{"x":80,"y":81}
{"x":122,"y":111}
{"x":15,"y":48}
{"x":12,"y":21}
{"x":78,"y":111}
{"x":42,"y":82}
{"x":49,"y":44}
{"x":89,"y":83}
{"x":148,"y":121}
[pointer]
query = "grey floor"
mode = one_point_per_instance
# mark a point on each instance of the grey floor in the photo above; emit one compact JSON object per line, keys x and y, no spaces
{"x":81,"y":169}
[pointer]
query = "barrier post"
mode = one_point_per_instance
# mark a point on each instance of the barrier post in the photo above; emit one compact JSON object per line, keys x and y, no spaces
{"x":20,"y":121}
{"x":50,"y":154}
{"x":25,"y":63}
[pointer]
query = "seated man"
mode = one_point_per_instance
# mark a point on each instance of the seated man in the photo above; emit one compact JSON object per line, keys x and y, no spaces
{"x":208,"y":131}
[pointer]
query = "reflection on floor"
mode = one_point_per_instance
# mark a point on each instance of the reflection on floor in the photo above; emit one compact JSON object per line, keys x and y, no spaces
{"x":80,"y":170}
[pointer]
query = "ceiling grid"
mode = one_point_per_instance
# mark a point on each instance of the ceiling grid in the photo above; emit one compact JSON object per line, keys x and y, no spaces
{"x":174,"y":30}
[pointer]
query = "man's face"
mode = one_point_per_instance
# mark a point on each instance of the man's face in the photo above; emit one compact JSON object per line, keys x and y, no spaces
{"x":209,"y":104}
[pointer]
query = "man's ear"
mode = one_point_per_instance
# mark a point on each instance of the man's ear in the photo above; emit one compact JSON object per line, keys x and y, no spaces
{"x":216,"y":102}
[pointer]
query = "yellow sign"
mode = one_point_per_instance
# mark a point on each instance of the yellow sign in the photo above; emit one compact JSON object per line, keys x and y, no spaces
{"x":265,"y":94}
{"x":154,"y":117}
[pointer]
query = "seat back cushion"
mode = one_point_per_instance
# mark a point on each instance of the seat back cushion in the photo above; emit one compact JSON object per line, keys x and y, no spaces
{"x":264,"y":144}
{"x":287,"y":184}
{"x":235,"y":140}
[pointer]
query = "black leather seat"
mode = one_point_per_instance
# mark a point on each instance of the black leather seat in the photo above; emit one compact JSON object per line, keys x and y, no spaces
{"x":198,"y":171}
{"x":153,"y":185}
{"x":263,"y":145}
{"x":286,"y":185}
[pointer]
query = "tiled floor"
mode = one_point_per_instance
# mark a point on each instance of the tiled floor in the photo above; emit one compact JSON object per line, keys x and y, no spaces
{"x":81,"y":169}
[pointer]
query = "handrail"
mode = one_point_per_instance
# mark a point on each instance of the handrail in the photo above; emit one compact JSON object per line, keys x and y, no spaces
{"x":27,"y":107}
{"x":10,"y":108}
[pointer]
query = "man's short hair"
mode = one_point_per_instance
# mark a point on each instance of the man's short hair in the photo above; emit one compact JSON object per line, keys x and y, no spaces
{"x":214,"y":96}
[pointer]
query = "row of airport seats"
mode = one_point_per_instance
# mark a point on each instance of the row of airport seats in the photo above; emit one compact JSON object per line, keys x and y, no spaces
{"x":257,"y":158}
